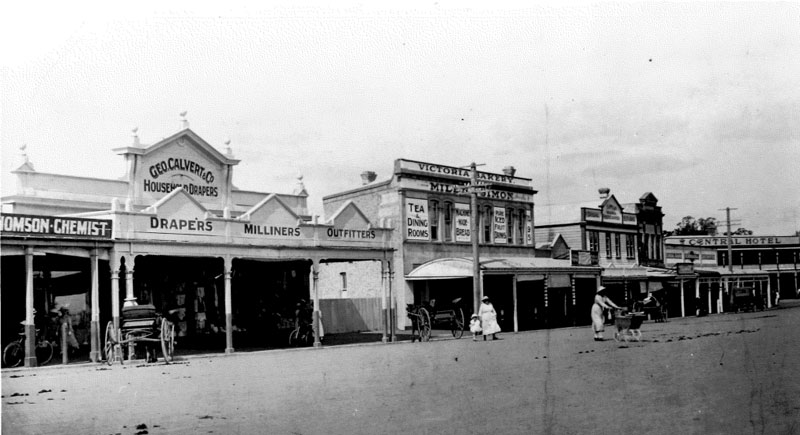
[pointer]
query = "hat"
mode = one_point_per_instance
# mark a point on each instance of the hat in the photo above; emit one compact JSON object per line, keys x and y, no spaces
{"x":485,"y":298}
{"x":600,"y":289}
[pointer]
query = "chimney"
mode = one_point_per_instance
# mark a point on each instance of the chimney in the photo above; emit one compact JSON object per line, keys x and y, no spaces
{"x":604,"y":191}
{"x":509,"y":171}
{"x":368,"y":177}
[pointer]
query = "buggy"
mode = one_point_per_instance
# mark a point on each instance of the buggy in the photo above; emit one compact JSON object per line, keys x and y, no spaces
{"x":140,"y":324}
{"x":628,"y":325}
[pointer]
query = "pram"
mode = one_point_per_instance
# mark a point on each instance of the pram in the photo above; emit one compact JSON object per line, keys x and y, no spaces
{"x":628,"y":325}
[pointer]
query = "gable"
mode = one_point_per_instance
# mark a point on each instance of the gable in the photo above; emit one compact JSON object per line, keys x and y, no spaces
{"x":178,"y":205}
{"x":271,"y":211}
{"x":349,"y":216}
{"x":611,"y":210}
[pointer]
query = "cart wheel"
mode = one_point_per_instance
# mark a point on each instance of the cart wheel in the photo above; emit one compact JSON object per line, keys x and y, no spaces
{"x":167,"y":340}
{"x":424,"y":325}
{"x":458,"y":323}
{"x":111,"y":345}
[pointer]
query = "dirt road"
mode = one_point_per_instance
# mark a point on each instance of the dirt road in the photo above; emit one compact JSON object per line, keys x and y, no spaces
{"x":724,"y":374}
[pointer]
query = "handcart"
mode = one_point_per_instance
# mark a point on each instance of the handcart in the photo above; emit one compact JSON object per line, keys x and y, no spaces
{"x":628,"y":325}
{"x":140,"y":324}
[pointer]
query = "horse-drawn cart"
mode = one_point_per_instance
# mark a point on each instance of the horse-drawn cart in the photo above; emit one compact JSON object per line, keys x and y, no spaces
{"x":424,"y":317}
{"x":140,"y":324}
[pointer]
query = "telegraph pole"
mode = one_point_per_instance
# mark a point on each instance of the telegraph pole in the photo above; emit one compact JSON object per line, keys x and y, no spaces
{"x":476,"y":264}
{"x":730,"y":250}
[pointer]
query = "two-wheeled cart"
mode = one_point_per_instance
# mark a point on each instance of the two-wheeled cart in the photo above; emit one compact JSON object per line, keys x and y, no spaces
{"x":451,"y":316}
{"x":140,"y":324}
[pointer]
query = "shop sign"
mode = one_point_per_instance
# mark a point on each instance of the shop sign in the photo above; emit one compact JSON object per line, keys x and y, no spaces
{"x":612,"y":213}
{"x":528,"y":227}
{"x":684,"y":268}
{"x":735,"y":240}
{"x":499,"y":233}
{"x":592,"y":215}
{"x":462,"y":189}
{"x":628,"y":218}
{"x":55,"y":226}
{"x":417,"y":222}
{"x":465,"y":173}
{"x":584,"y":258}
{"x":349,"y":234}
{"x":463,"y":223}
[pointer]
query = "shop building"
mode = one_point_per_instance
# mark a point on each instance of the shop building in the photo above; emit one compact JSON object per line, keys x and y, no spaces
{"x":430,"y":205}
{"x":176,"y":233}
{"x":627,"y":239}
{"x":766,"y":266}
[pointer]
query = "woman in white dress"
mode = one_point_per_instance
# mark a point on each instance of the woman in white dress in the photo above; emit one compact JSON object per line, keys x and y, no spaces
{"x":488,"y":319}
{"x":601,"y":301}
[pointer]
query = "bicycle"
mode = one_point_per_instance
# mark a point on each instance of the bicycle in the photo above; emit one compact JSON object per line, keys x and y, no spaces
{"x":14,"y":352}
{"x":301,"y":335}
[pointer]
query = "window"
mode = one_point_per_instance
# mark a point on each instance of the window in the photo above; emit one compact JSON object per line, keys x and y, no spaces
{"x":510,"y":217}
{"x":448,"y":222}
{"x":618,"y":245}
{"x":486,"y":218}
{"x":521,"y":227}
{"x":594,"y":241}
{"x":608,"y":245}
{"x":630,"y":246}
{"x":434,"y":217}
{"x":344,"y":283}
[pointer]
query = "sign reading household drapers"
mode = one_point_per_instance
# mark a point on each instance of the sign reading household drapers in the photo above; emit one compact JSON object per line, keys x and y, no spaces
{"x":462,"y":223}
{"x":499,"y":233}
{"x":417,"y":222}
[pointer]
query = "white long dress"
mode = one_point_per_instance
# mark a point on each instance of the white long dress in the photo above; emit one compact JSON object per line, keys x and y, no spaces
{"x":488,"y":319}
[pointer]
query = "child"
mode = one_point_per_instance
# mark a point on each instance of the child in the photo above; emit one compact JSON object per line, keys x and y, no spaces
{"x":475,"y":327}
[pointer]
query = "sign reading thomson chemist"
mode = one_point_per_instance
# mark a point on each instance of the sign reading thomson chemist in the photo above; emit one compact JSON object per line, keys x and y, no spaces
{"x":55,"y":226}
{"x":462,"y":223}
{"x":417,"y":222}
{"x":499,"y":233}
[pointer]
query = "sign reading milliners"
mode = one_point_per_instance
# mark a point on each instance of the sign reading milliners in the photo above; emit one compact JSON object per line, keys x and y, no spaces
{"x":181,"y":162}
{"x":451,"y":180}
{"x":30,"y":225}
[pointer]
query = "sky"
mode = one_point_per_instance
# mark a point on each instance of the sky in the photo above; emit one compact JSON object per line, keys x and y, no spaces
{"x":698,"y":103}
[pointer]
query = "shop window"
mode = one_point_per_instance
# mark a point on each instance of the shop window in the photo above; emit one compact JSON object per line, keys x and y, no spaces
{"x":608,"y":245}
{"x":510,"y":218}
{"x":486,"y":218}
{"x":618,"y":245}
{"x":594,"y":240}
{"x":344,"y":283}
{"x":448,"y":222}
{"x":434,"y":218}
{"x":521,"y":227}
{"x":630,"y":246}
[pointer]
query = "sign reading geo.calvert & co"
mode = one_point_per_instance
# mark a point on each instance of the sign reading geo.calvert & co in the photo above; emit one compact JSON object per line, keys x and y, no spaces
{"x":31,"y":225}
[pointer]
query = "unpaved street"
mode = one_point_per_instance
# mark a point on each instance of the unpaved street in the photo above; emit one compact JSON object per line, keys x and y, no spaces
{"x":724,"y":374}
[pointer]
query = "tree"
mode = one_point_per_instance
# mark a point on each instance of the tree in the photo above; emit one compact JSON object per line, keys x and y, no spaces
{"x":689,"y":226}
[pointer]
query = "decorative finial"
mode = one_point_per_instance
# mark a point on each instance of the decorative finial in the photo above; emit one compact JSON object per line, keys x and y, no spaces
{"x":135,"y":136}
{"x":300,"y":189}
{"x":24,"y":156}
{"x":184,"y":122}
{"x":228,"y":149}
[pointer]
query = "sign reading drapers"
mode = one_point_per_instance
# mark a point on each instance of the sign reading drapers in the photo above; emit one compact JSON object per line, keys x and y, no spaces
{"x":499,"y":233}
{"x":417,"y":222}
{"x":462,"y":223}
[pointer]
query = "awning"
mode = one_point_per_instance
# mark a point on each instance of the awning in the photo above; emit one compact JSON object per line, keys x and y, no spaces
{"x":461,"y":267}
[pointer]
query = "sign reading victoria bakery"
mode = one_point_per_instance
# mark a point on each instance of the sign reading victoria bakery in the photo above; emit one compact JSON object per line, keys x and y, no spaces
{"x":55,"y":226}
{"x":167,"y":174}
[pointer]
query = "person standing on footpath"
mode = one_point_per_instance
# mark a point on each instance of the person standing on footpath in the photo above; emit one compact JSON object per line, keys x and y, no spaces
{"x":488,"y":319}
{"x":601,"y":302}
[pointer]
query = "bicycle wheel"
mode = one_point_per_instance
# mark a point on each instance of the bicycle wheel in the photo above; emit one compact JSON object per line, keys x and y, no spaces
{"x":293,"y":337}
{"x":44,"y":352}
{"x":424,"y":325}
{"x":167,"y":340}
{"x":13,"y":354}
{"x":111,"y":346}
{"x":457,"y":324}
